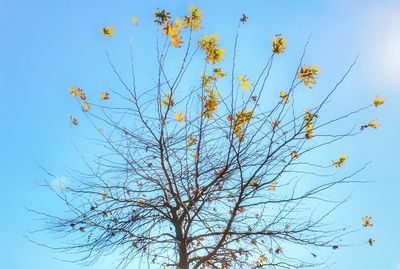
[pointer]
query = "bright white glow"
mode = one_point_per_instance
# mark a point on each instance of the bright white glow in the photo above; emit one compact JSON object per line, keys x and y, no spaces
{"x":382,"y":40}
{"x":391,"y":58}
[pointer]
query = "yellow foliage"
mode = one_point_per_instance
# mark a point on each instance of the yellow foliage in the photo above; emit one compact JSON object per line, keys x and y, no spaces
{"x":309,"y":75}
{"x":209,"y":45}
{"x":107,"y":31}
{"x":374,"y":124}
{"x":279,"y":44}
{"x":194,"y":20}
{"x":241,"y":119}
{"x":367,"y":221}
{"x":245,"y":83}
{"x":210,"y":103}
{"x":272,"y":187}
{"x":218,"y":72}
{"x":135,"y":20}
{"x":179,"y":116}
{"x":167,"y":101}
{"x":378,"y":101}
{"x":309,"y":121}
{"x":105,"y":96}
{"x":285,"y":97}
{"x":341,"y":161}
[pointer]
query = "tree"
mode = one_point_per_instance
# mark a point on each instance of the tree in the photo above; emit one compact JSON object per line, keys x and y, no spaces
{"x":208,"y":176}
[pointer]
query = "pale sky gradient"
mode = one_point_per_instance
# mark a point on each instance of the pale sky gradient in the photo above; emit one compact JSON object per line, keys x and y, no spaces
{"x":49,"y":45}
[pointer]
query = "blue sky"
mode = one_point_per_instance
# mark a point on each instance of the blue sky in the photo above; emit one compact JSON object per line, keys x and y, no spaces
{"x":49,"y":45}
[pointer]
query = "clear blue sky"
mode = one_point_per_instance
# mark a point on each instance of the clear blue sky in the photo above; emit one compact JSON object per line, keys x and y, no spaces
{"x":47,"y":46}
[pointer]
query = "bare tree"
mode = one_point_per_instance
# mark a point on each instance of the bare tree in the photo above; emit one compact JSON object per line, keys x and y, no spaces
{"x":206,"y":176}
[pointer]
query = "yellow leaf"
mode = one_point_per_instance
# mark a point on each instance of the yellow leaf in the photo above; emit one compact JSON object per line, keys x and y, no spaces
{"x":179,"y":116}
{"x":73,"y":91}
{"x":167,"y":101}
{"x":135,"y":20}
{"x":176,"y":41}
{"x":107,"y":31}
{"x":272,"y":187}
{"x":209,"y":45}
{"x":262,"y":259}
{"x":86,"y":106}
{"x":309,"y":75}
{"x":341,"y":161}
{"x":218,"y":72}
{"x":374,"y":124}
{"x":279,"y":44}
{"x":284,"y":96}
{"x":245,"y":83}
{"x":105,"y":96}
{"x":378,"y":101}
{"x":367,"y":221}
